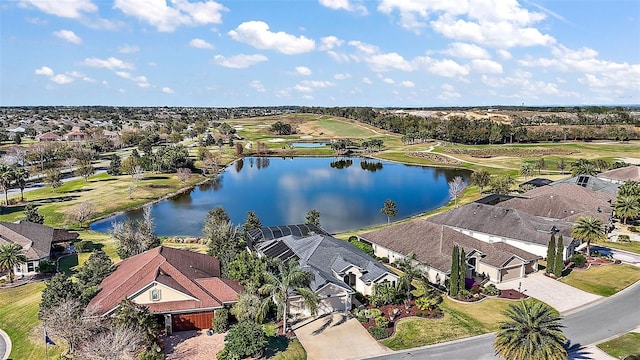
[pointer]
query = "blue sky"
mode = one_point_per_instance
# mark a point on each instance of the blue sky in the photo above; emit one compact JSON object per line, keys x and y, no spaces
{"x":319,"y":52}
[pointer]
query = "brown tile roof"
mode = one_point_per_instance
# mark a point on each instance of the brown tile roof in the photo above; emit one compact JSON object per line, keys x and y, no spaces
{"x":49,"y":135}
{"x":503,"y":222}
{"x":622,"y":174}
{"x":35,"y":239}
{"x":196,"y":275}
{"x":433,"y":243}
{"x":562,"y":202}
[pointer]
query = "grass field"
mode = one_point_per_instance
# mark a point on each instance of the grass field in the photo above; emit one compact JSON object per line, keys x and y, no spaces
{"x":459,"y":321}
{"x":603,"y":280}
{"x":19,"y":318}
{"x":632,"y":246}
{"x":623,"y":346}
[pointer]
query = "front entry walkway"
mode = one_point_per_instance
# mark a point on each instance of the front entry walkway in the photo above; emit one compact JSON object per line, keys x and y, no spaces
{"x":559,"y":295}
{"x":335,"y":337}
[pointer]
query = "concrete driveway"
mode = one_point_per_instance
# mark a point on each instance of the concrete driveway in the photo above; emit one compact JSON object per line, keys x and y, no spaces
{"x":333,"y":337}
{"x":562,"y":297}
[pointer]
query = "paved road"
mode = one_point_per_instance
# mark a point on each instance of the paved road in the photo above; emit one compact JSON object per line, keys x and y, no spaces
{"x":615,"y":315}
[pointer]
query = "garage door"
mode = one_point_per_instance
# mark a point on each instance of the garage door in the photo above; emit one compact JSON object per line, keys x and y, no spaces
{"x":196,"y":321}
{"x":510,"y":274}
{"x":328,"y":305}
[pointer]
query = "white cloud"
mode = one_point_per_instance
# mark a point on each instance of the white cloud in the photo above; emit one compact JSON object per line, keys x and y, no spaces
{"x":166,"y":17}
{"x":448,"y":92}
{"x":389,"y":61}
{"x":316,"y":83}
{"x":344,"y":5}
{"x":341,"y":76}
{"x":303,"y":70}
{"x":68,"y":36}
{"x":467,"y":51}
{"x":45,"y":70}
{"x":257,"y":85}
{"x":330,"y":42}
{"x":200,"y":44}
{"x":389,"y":80}
{"x":486,"y":66}
{"x":338,"y":57}
{"x":504,"y":54}
{"x":258,"y":35}
{"x":72,"y":9}
{"x":110,"y":63}
{"x":407,"y":84}
{"x":61,"y":79}
{"x":497,"y":23}
{"x":128,"y":49}
{"x":366,"y":80}
{"x":167,"y":90}
{"x":302,"y":88}
{"x":240,"y":61}
{"x":448,"y":68}
{"x":365,"y":48}
{"x":141,"y":81}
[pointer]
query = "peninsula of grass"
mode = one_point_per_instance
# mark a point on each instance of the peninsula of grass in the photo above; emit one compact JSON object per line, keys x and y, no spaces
{"x":603,"y":280}
{"x":623,"y":346}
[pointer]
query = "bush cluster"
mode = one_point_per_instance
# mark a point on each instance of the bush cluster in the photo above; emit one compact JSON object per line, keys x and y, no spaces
{"x":578,"y":260}
{"x":378,"y":333}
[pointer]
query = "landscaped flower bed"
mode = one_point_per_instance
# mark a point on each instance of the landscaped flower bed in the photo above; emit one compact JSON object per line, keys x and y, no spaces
{"x":392,"y":314}
{"x":512,"y":294}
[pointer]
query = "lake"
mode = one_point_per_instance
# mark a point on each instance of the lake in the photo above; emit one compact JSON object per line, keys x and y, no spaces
{"x":348,"y":192}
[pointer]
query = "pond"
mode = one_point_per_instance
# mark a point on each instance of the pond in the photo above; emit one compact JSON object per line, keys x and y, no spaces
{"x":348,"y":192}
{"x":307,"y":144}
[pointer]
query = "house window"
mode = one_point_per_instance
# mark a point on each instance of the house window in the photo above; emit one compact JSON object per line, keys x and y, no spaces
{"x":31,"y":267}
{"x":155,"y":295}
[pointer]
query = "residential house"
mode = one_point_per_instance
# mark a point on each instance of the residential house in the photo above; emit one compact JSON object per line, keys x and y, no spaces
{"x":535,"y":183}
{"x":36,"y":241}
{"x":493,"y":224}
{"x":567,"y":202}
{"x":431,"y":246}
{"x":182,"y":287}
{"x":339,"y":268}
{"x":75,"y":135}
{"x":49,"y":136}
{"x":590,"y":182}
{"x":621,"y":175}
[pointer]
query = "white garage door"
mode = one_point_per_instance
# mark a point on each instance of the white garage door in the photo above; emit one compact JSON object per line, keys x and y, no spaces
{"x":510,"y":274}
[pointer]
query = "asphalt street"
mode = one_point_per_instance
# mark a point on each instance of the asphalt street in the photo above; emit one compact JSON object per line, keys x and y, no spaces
{"x":595,"y":323}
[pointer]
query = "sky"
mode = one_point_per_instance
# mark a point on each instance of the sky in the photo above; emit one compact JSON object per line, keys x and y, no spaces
{"x":381,"y":53}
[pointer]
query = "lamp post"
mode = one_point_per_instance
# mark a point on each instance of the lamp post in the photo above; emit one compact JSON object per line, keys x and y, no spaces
{"x":519,"y":287}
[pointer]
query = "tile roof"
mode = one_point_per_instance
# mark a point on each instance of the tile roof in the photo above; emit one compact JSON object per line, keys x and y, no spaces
{"x":504,"y":222}
{"x":622,"y":174}
{"x":324,"y":256}
{"x":196,"y":275}
{"x":433,"y":243}
{"x":35,"y":239}
{"x":567,"y":202}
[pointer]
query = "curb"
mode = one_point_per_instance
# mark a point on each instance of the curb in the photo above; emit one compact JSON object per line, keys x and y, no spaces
{"x":7,"y":341}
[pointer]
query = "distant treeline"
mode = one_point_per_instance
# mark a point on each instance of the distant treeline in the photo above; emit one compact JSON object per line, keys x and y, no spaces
{"x":522,"y":127}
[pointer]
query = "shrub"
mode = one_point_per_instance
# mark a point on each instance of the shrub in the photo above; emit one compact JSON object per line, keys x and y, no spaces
{"x":475,"y":289}
{"x":492,"y":290}
{"x":382,"y":322}
{"x":220,"y":322}
{"x":374,"y":313}
{"x":633,"y":229}
{"x":384,"y":259}
{"x":361,"y":298}
{"x":624,"y":238}
{"x":419,"y":313}
{"x":153,"y":353}
{"x":378,"y":333}
{"x":464,"y":294}
{"x":384,"y":294}
{"x":423,"y":303}
{"x":84,"y":246}
{"x":578,"y":260}
{"x":47,"y":266}
{"x":244,"y":339}
{"x":365,"y":247}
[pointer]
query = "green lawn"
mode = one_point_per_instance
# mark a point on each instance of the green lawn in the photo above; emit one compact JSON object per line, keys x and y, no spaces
{"x":632,"y":246}
{"x":623,"y":346}
{"x":460,"y":321}
{"x":19,"y":318}
{"x":603,"y":280}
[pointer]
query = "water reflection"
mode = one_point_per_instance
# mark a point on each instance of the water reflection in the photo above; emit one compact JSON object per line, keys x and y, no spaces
{"x":281,"y":191}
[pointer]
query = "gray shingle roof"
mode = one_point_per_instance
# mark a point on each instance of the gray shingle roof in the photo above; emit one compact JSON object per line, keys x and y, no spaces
{"x":503,"y":222}
{"x":35,"y":239}
{"x":622,"y":174}
{"x":592,"y":183}
{"x":433,"y":243}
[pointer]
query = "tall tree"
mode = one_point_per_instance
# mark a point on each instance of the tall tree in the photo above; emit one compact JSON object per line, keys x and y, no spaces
{"x":532,"y":331}
{"x":92,"y":272}
{"x":65,"y":320}
{"x":627,"y":207}
{"x":456,"y":186}
{"x":410,"y":272}
{"x":138,"y":317}
{"x":588,"y":229}
{"x":21,"y":176}
{"x":558,"y":262}
{"x":551,"y":255}
{"x":463,"y":270}
{"x":481,"y":178}
{"x":389,"y":209}
{"x":218,"y":214}
{"x":59,"y":289}
{"x":252,"y":221}
{"x":7,"y":175}
{"x":454,"y":276}
{"x":313,"y":217}
{"x":224,"y":242}
{"x":562,"y":165}
{"x":287,"y":278}
{"x":526,"y":170}
{"x":135,"y":236}
{"x":32,"y":215}
{"x":11,"y":255}
{"x":114,"y":165}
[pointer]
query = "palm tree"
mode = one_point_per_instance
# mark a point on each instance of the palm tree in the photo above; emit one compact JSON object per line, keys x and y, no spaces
{"x":289,"y":277}
{"x":627,"y":207}
{"x":11,"y":255}
{"x":410,"y":271}
{"x":532,"y":332}
{"x":21,"y":177}
{"x":526,"y":170}
{"x":588,"y":229}
{"x":7,"y":175}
